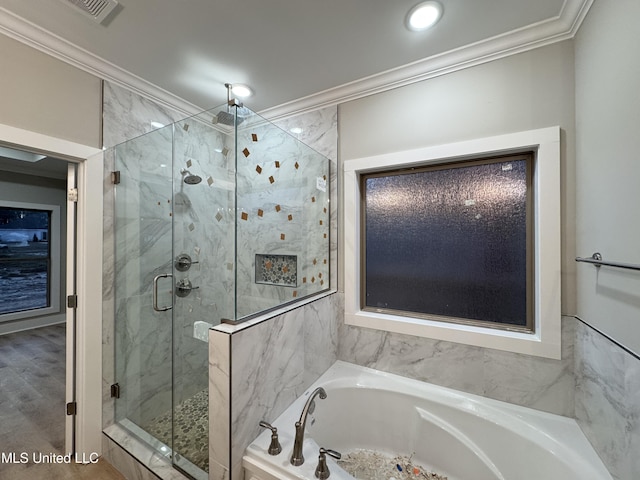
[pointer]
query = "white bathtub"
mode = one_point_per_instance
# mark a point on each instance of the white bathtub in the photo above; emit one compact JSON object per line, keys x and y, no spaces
{"x":460,"y":435}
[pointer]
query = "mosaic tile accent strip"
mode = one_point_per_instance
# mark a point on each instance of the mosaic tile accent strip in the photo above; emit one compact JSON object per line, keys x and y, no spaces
{"x":191,"y":423}
{"x":277,"y":269}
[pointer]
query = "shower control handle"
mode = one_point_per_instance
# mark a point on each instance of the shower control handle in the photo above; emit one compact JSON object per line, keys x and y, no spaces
{"x":184,"y":287}
{"x":155,"y":292}
{"x":183,"y":262}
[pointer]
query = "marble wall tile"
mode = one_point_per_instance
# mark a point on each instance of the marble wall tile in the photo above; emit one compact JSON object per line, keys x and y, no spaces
{"x":283,"y":210}
{"x":274,"y":362}
{"x":313,"y":327}
{"x":219,"y":403}
{"x":521,"y":379}
{"x":320,"y":132}
{"x":434,"y":361}
{"x":108,"y":296}
{"x":608,"y":401}
{"x":134,"y":459}
{"x":127,"y":115}
{"x":267,"y":373}
{"x":535,"y":382}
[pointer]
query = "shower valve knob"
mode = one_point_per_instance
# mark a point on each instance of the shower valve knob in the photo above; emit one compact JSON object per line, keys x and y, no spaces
{"x":183,"y":262}
{"x":184,"y":287}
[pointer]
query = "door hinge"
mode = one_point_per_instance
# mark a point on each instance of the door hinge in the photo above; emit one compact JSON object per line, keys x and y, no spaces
{"x":72,"y":195}
{"x":115,"y":390}
{"x":72,"y":407}
{"x":115,"y":177}
{"x":72,"y":301}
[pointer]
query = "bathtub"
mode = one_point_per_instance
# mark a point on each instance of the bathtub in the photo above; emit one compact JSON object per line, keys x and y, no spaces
{"x":460,"y":435}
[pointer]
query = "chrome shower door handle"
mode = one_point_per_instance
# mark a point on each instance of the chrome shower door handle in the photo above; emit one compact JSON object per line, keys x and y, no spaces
{"x":155,"y":292}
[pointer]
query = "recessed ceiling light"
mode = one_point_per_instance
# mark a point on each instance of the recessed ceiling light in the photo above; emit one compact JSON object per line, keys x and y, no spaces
{"x":423,"y":16}
{"x":157,"y":124}
{"x":296,"y":130}
{"x":241,"y":90}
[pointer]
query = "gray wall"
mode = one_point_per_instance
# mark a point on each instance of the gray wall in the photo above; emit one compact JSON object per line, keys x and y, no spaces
{"x":608,"y":122}
{"x":607,"y":126}
{"x":42,"y":94}
{"x":526,"y":91}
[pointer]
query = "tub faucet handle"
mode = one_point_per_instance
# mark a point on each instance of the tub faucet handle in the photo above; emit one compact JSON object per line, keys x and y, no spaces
{"x":322,"y":470}
{"x":275,"y":448}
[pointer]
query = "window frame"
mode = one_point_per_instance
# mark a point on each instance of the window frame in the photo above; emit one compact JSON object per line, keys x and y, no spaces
{"x":54,"y":278}
{"x":544,"y":341}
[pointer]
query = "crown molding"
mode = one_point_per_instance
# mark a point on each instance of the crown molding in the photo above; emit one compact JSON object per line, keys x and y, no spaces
{"x":557,"y":29}
{"x":37,"y":37}
{"x":562,"y":27}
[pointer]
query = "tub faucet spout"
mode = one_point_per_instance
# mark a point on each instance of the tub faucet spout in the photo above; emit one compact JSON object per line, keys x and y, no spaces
{"x":296,"y":457}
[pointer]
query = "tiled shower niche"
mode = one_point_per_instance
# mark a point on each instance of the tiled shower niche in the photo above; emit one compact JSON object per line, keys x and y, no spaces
{"x":279,"y":270}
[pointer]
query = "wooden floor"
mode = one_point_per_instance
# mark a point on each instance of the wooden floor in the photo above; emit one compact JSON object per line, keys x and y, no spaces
{"x":32,"y":408}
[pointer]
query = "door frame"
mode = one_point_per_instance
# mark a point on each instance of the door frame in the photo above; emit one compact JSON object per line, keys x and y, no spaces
{"x":88,"y":339}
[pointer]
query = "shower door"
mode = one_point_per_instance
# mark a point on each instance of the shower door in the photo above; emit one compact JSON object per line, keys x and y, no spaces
{"x":174,"y":279}
{"x":143,"y":286}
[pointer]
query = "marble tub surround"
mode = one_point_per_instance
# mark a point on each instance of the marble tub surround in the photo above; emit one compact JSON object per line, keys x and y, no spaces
{"x":257,"y":371}
{"x":543,"y":384}
{"x":219,"y":404}
{"x":608,"y":401}
{"x":271,"y":364}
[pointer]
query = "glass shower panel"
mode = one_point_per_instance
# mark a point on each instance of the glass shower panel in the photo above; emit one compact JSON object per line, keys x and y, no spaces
{"x":143,"y":251}
{"x":203,"y":239}
{"x":282,"y":217}
{"x":218,"y":217}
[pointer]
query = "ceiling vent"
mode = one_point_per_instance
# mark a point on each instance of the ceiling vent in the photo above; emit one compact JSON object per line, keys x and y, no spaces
{"x":98,"y":10}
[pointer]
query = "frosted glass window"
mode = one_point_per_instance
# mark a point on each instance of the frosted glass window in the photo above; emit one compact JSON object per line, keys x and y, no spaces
{"x":451,"y":242}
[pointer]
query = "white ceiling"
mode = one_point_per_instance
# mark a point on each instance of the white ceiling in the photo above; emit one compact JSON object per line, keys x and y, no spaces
{"x":295,"y":54}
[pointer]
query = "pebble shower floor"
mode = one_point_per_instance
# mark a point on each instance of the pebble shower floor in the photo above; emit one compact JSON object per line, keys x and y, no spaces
{"x":191,"y":425}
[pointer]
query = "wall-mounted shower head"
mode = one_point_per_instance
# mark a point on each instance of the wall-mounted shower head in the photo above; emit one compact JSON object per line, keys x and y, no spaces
{"x":189,"y":178}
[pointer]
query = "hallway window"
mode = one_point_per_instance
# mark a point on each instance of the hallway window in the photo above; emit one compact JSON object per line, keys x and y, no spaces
{"x":450,"y":242}
{"x":25,"y":259}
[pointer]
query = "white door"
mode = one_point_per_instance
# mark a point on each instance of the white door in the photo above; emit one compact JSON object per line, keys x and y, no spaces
{"x":72,"y":197}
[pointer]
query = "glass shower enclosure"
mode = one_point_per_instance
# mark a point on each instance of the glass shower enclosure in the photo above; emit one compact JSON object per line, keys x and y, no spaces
{"x":218,"y":218}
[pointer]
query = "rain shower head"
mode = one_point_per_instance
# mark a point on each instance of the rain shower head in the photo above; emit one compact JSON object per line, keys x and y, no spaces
{"x":189,"y":178}
{"x":228,"y":118}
